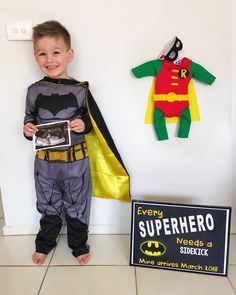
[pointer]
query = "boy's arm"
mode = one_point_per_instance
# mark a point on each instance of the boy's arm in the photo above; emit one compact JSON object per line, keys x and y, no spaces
{"x":87,"y":123}
{"x":30,"y":116}
{"x":82,"y":123}
{"x":29,"y":130}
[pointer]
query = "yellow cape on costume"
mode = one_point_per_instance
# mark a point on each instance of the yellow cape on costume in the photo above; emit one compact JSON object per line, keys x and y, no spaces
{"x":109,"y":176}
{"x":193,"y":106}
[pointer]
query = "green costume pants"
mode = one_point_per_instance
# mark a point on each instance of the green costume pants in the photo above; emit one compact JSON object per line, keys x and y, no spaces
{"x":160,"y":124}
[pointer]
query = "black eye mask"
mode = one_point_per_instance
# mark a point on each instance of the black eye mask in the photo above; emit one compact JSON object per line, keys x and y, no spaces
{"x":173,"y":52}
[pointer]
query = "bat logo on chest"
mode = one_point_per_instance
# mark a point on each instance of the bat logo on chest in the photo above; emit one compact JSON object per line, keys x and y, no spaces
{"x":55,"y":102}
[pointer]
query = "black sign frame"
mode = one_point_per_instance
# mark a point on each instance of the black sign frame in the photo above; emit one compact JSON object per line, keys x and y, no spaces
{"x":181,"y":237}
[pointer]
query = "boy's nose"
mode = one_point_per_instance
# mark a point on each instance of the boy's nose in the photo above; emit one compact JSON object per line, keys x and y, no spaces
{"x":49,"y":57}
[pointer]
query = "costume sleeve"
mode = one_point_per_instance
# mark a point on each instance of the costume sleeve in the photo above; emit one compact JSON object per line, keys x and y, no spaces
{"x":30,"y":110}
{"x":84,"y":116}
{"x":200,"y":73}
{"x":150,"y":68}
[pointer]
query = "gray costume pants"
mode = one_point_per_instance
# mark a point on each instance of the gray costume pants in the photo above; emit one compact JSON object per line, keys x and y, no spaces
{"x":63,"y":189}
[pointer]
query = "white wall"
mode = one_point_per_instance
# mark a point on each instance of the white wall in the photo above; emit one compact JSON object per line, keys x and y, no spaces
{"x":233,"y":98}
{"x":110,"y":37}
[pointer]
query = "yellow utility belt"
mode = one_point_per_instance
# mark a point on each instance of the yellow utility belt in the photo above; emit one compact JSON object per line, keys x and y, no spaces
{"x":74,"y":153}
{"x":171,"y":96}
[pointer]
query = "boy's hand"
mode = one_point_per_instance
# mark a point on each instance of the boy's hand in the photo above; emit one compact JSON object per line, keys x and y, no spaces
{"x":77,"y":125}
{"x":30,"y":129}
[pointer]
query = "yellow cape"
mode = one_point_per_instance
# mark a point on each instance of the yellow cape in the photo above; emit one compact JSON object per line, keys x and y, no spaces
{"x":193,"y":106}
{"x":109,"y":176}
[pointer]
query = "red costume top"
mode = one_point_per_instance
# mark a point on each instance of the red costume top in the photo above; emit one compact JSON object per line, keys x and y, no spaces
{"x":171,"y":93}
{"x":173,"y":77}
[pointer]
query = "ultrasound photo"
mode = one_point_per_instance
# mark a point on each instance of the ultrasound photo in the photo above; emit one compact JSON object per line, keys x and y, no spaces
{"x":52,"y":135}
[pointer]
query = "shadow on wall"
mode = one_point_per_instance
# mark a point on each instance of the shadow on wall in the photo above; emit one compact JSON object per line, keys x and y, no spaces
{"x":1,"y":208}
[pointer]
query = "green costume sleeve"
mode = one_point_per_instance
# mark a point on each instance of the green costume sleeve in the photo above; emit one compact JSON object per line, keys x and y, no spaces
{"x":150,"y":68}
{"x":200,"y":73}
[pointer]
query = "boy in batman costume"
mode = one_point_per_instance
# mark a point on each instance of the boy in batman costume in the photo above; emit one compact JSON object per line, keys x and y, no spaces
{"x":172,"y":94}
{"x":66,"y":177}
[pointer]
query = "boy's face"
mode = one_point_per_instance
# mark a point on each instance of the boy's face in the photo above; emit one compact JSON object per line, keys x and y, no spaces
{"x":53,"y":56}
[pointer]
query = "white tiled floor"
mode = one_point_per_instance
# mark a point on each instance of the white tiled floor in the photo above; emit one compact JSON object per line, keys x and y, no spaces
{"x":107,"y":273}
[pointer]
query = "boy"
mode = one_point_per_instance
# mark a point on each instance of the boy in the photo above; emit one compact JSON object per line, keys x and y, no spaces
{"x":62,"y":176}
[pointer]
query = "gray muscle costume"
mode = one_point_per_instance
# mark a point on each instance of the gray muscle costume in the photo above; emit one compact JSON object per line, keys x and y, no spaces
{"x":62,"y":188}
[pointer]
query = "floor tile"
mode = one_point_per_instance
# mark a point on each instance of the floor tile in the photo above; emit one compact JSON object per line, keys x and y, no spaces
{"x":232,"y":276}
{"x":105,"y":250}
{"x":232,"y":250}
{"x":89,"y":280}
{"x":17,"y":250}
{"x":179,"y":283}
{"x":21,"y":280}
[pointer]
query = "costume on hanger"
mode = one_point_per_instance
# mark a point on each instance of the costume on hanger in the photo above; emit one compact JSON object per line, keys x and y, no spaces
{"x":172,"y":93}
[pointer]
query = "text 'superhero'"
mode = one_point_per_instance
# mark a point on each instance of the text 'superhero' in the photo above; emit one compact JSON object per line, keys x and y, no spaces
{"x":173,"y":93}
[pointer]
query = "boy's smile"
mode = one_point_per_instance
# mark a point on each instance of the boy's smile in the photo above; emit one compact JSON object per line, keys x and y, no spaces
{"x":53,"y":56}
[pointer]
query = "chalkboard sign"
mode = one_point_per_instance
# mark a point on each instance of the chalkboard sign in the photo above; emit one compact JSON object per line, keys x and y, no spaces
{"x":180,"y":237}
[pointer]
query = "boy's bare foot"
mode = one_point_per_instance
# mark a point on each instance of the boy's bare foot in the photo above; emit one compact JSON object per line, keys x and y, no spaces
{"x":83,"y":259}
{"x":39,"y":258}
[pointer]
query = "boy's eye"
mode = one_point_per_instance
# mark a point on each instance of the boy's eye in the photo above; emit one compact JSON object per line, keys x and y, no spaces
{"x":41,"y":54}
{"x":56,"y":52}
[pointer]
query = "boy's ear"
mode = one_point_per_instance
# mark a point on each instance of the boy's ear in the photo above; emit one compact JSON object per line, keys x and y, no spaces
{"x":71,"y":54}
